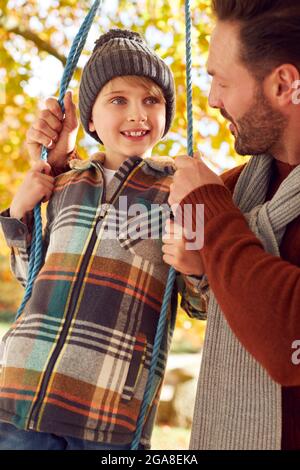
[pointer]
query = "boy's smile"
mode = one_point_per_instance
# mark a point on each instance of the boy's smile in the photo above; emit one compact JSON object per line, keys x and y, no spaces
{"x":129,"y":118}
{"x":135,"y":134}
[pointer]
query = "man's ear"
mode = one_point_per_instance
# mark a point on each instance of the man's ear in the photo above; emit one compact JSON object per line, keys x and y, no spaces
{"x":91,"y":126}
{"x":280,"y":84}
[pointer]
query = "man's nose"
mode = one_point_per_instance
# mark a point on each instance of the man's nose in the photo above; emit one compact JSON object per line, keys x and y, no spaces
{"x":214,"y":99}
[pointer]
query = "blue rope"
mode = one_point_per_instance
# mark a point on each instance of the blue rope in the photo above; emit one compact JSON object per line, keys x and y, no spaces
{"x":150,"y":389}
{"x":36,"y":251}
{"x":189,"y":84}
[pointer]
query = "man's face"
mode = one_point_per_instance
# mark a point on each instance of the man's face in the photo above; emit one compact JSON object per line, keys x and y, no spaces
{"x":256,"y":126}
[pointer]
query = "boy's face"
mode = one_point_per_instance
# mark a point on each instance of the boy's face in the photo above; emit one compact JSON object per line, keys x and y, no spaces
{"x":128,"y":119}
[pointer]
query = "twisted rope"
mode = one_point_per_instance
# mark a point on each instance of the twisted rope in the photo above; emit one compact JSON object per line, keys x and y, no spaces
{"x":150,"y":391}
{"x":189,"y":83}
{"x":36,"y":250}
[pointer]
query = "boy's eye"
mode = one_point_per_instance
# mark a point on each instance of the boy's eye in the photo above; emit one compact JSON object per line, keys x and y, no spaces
{"x":151,"y":100}
{"x":118,"y":100}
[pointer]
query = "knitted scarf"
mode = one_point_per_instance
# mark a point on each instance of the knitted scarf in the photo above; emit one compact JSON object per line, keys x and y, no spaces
{"x":238,"y":405}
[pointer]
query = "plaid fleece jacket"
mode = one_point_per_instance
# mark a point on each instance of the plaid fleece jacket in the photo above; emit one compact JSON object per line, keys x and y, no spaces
{"x":76,"y":361}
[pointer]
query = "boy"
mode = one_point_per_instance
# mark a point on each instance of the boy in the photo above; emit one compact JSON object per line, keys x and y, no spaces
{"x":75,"y":364}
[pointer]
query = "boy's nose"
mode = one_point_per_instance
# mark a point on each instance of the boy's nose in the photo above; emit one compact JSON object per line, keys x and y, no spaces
{"x":137,"y":114}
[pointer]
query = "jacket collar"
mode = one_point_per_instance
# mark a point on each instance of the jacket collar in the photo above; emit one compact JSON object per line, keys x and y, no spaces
{"x":163,"y":165}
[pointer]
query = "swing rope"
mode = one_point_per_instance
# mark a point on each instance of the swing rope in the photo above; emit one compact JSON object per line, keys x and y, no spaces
{"x":149,"y":393}
{"x":36,"y":250}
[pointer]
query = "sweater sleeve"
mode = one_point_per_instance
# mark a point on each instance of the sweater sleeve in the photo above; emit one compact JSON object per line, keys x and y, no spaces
{"x":258,"y":293}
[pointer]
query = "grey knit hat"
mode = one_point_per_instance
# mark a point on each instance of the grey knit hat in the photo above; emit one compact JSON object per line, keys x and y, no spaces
{"x":118,"y":53}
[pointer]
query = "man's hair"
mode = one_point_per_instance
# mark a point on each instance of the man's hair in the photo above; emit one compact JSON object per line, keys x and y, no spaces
{"x":269,"y":31}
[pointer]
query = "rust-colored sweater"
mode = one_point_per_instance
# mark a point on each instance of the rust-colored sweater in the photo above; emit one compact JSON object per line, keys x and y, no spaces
{"x":258,"y":293}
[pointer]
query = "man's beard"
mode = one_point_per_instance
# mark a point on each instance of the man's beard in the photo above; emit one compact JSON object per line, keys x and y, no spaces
{"x":261,"y":128}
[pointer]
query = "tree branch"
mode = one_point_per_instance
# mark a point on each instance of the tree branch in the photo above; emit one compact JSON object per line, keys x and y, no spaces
{"x":40,"y":43}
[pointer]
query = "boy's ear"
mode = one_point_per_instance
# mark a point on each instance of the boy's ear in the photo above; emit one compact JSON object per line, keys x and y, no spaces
{"x":91,"y":126}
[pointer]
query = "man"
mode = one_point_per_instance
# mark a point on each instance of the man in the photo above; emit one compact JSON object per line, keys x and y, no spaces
{"x":249,"y":388}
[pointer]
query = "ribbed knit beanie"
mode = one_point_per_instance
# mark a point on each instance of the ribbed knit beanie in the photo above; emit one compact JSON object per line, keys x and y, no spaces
{"x":117,"y":53}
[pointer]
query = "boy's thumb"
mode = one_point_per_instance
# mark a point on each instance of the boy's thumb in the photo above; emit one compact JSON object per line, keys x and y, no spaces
{"x":47,"y":168}
{"x":198,"y":155}
{"x":70,"y":107}
{"x":42,"y":167}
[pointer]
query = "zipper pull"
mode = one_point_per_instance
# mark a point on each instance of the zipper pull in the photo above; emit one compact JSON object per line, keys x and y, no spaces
{"x":103,"y":211}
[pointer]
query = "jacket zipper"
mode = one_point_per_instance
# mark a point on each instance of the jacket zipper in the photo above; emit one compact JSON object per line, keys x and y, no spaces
{"x":75,"y":294}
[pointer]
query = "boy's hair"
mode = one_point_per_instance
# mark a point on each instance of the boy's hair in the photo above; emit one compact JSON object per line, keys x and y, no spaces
{"x":123,"y":53}
{"x":269,"y":31}
{"x":147,"y":83}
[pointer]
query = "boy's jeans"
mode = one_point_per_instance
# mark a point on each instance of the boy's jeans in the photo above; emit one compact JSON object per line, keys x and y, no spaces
{"x":12,"y":438}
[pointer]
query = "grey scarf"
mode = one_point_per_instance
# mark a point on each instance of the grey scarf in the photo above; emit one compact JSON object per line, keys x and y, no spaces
{"x":238,"y":405}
